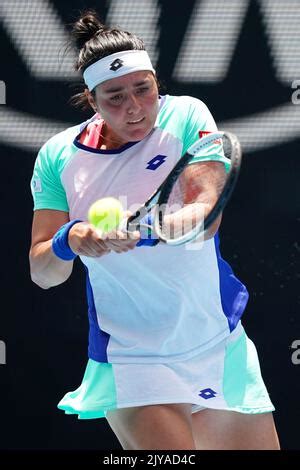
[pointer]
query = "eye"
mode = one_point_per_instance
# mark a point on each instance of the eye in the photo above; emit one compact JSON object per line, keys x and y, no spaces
{"x":116,"y":99}
{"x":142,"y":90}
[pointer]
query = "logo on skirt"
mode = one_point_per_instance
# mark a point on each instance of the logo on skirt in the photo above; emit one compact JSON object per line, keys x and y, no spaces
{"x":207,"y":393}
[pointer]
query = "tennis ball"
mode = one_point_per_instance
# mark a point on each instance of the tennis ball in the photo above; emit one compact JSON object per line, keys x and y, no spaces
{"x":106,"y":214}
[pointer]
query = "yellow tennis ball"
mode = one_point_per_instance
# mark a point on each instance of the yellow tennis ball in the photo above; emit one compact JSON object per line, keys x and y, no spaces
{"x":106,"y":214}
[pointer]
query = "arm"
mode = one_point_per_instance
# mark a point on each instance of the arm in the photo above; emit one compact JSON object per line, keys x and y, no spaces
{"x":207,"y":180}
{"x":198,"y":122}
{"x":199,"y":185}
{"x":45,"y":268}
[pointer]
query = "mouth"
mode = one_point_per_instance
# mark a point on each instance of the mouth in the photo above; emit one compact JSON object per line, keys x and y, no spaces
{"x":136,"y":121}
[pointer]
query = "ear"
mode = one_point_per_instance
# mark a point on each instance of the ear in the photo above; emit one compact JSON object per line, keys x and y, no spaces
{"x":91,"y":101}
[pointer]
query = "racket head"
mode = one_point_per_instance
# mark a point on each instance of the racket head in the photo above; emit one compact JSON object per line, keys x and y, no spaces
{"x":195,"y":193}
{"x":133,"y":222}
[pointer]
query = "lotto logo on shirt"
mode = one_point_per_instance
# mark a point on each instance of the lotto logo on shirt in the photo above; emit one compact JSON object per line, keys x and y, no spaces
{"x":156,"y":162}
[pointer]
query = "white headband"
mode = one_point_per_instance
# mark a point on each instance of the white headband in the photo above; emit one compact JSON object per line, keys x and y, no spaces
{"x":116,"y":65}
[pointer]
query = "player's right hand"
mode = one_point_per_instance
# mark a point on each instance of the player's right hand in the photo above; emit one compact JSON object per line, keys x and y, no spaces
{"x":84,"y":239}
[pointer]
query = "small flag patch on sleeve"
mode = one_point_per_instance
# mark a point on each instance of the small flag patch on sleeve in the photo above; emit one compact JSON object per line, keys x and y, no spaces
{"x":37,"y":185}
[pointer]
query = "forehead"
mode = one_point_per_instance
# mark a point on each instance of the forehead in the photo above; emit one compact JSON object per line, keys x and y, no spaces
{"x":128,"y":80}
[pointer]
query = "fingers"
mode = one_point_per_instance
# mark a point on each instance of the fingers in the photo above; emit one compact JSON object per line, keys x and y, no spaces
{"x":85,"y":240}
{"x":120,"y":242}
{"x":127,"y":214}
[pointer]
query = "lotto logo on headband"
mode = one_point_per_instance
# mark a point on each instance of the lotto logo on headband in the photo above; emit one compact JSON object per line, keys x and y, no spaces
{"x":116,"y":65}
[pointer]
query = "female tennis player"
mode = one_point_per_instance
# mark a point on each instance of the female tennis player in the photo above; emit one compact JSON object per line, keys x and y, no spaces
{"x":169,"y":363}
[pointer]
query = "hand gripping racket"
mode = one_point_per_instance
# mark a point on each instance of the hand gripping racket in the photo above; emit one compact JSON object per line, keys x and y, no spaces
{"x":194,"y":193}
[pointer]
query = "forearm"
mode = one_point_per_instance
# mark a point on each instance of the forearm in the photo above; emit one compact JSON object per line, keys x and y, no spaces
{"x":184,"y":220}
{"x":46,"y":269}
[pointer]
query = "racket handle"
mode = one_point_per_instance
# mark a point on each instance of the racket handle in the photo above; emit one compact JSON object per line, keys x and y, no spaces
{"x":148,"y":242}
{"x":147,"y":239}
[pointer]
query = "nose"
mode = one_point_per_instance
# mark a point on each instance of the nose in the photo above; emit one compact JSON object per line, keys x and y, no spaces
{"x":133,"y":105}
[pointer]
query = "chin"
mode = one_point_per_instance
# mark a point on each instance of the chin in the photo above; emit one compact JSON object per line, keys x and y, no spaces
{"x":140,"y":134}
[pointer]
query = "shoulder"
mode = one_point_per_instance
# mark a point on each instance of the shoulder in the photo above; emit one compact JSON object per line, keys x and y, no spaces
{"x":59,"y":149}
{"x":184,"y":110}
{"x":183,"y":116}
{"x":183,"y":103}
{"x":57,"y":143}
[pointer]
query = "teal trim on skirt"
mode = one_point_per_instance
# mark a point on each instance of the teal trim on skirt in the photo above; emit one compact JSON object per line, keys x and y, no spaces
{"x":227,"y":377}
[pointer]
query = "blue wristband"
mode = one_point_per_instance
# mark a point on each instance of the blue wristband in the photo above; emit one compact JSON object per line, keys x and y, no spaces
{"x":149,"y":238}
{"x":60,"y":243}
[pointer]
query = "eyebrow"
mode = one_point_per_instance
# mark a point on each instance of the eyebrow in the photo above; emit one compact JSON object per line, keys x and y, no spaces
{"x":120,"y":88}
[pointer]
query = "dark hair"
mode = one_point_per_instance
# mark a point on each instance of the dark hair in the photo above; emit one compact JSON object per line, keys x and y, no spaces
{"x":95,"y":40}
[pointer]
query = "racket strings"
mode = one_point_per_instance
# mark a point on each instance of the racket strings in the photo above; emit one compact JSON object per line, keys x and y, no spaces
{"x":195,"y":192}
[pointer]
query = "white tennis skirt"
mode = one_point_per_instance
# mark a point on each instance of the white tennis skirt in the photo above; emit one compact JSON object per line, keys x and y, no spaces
{"x":227,"y":377}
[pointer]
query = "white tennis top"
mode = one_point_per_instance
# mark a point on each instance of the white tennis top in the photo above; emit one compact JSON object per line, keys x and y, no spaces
{"x":151,"y":304}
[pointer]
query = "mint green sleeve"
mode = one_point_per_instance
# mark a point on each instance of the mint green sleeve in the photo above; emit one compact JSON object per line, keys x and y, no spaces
{"x":199,"y":120}
{"x":46,"y":186}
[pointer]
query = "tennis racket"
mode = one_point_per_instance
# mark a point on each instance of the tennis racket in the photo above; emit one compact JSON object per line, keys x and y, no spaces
{"x":193,"y":195}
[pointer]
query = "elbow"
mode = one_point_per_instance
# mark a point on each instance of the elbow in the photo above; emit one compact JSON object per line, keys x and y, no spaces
{"x":46,"y":282}
{"x":210,"y":233}
{"x":47,"y":272}
{"x":45,"y":279}
{"x":36,"y":276}
{"x":39,"y":282}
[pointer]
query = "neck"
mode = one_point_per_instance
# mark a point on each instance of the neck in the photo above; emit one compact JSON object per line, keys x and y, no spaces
{"x":108,"y":140}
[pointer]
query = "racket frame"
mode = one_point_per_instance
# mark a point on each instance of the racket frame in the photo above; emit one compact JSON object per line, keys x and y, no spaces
{"x":164,"y":189}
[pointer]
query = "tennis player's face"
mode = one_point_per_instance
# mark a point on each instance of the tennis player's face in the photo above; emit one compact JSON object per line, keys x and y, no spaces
{"x":128,"y":105}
